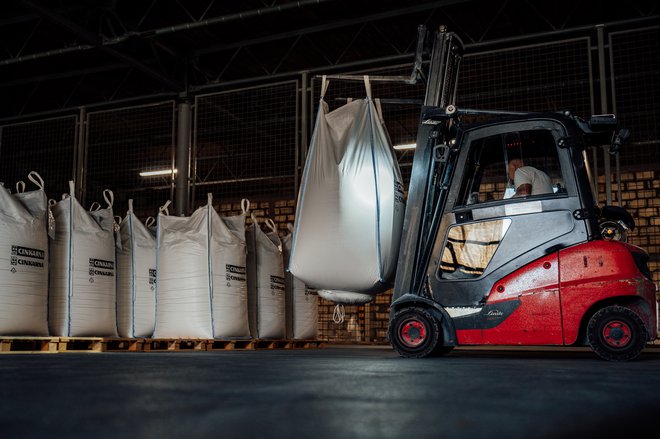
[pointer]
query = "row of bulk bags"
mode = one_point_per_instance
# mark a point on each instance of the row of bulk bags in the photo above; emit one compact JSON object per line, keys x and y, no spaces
{"x":350,"y":208}
{"x":202,"y":275}
{"x":84,"y":294}
{"x":82,"y":300}
{"x":24,"y":260}
{"x":219,"y":279}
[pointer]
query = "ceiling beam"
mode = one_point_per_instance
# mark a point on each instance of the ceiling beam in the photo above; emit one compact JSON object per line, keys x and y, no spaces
{"x":330,"y":26}
{"x":97,"y":41}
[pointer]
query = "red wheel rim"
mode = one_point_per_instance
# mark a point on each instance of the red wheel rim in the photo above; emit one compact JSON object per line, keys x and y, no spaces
{"x":413,"y":333}
{"x":617,"y":334}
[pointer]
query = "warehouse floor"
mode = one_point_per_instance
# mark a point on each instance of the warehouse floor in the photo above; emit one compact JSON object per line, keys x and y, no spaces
{"x":335,"y":392}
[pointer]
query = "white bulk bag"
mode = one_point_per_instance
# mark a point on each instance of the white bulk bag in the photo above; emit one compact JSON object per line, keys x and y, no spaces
{"x":183,"y":264}
{"x":230,"y":291}
{"x":266,"y":282}
{"x":24,"y":261}
{"x":136,"y":277}
{"x":350,"y":208}
{"x":302,"y":305}
{"x":82,"y":272}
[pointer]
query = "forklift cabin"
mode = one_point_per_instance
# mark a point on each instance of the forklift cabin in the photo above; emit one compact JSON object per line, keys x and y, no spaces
{"x":478,"y":266}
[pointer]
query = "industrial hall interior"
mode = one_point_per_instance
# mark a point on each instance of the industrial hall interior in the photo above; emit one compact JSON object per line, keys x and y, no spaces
{"x":157,"y":110}
{"x":329,"y":218}
{"x":153,"y":111}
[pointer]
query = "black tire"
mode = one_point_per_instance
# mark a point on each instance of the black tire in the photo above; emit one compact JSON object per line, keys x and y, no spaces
{"x":415,"y":333}
{"x":617,"y":333}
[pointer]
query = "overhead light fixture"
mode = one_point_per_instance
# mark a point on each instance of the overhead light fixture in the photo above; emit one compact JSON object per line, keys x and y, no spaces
{"x":157,"y":172}
{"x":405,"y":146}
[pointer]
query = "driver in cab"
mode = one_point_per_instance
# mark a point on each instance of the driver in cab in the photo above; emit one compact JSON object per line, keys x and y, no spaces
{"x":527,"y":180}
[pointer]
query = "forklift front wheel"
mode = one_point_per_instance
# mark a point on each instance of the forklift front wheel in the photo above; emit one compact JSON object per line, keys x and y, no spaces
{"x":414,"y":333}
{"x":616,"y":333}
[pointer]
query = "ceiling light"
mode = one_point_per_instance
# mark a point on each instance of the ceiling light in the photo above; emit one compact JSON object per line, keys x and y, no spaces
{"x":405,"y":146}
{"x":157,"y":172}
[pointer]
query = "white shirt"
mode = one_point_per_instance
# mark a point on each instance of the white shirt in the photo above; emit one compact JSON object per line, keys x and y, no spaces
{"x":539,"y":180}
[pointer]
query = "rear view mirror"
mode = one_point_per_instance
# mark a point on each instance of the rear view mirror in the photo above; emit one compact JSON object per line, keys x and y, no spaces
{"x":620,"y":138}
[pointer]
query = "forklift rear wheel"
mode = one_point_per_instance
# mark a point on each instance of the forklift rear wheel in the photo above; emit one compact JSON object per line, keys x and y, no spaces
{"x":415,"y":333}
{"x":616,"y":333}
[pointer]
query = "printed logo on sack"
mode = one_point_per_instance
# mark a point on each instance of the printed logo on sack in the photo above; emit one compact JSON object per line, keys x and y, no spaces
{"x":276,"y":284}
{"x":234,"y":273}
{"x":398,"y":192}
{"x":100,"y":267}
{"x":26,"y":257}
{"x":152,"y":278}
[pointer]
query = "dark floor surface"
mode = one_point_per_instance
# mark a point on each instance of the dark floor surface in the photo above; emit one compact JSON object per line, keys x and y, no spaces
{"x":336,"y":392}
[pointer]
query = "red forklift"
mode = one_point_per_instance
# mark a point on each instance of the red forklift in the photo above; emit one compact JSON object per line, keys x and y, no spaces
{"x":480,"y":267}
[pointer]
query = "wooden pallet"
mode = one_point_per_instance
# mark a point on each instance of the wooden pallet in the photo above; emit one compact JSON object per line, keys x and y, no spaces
{"x":80,"y":344}
{"x":176,"y":344}
{"x":272,"y":344}
{"x":27,"y":344}
{"x":307,"y":344}
{"x":230,"y":345}
{"x":123,"y":344}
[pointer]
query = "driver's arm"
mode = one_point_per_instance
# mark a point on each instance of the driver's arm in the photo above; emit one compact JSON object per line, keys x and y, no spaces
{"x":523,"y":190}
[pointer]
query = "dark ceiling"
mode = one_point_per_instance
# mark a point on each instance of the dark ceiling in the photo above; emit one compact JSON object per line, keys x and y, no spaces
{"x":64,"y":54}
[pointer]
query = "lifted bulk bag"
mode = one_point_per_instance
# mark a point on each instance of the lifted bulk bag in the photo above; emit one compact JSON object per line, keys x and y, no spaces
{"x":82,"y":272}
{"x":24,"y":260}
{"x":265,"y":282}
{"x":183,"y":290}
{"x":302,"y":308}
{"x":136,"y":277}
{"x":230,"y":291}
{"x":350,"y":208}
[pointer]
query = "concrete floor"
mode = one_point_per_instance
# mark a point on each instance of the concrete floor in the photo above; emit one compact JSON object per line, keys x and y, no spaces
{"x":336,"y":392}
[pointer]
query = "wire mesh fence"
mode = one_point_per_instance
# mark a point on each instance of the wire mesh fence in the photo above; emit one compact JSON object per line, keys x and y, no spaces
{"x":45,"y":146}
{"x":245,"y":144}
{"x":123,"y":144}
{"x":542,"y":77}
{"x":635,"y":68}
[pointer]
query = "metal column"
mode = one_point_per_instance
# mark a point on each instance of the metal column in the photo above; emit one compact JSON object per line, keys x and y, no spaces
{"x":80,"y":156}
{"x":301,"y":152}
{"x":182,"y":159}
{"x":603,"y":108}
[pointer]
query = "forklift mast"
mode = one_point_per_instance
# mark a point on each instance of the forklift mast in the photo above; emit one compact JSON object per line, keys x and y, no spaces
{"x":427,"y":186}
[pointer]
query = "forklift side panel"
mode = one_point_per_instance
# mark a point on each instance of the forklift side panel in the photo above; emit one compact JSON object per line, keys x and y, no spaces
{"x":597,"y":271}
{"x":536,"y":320}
